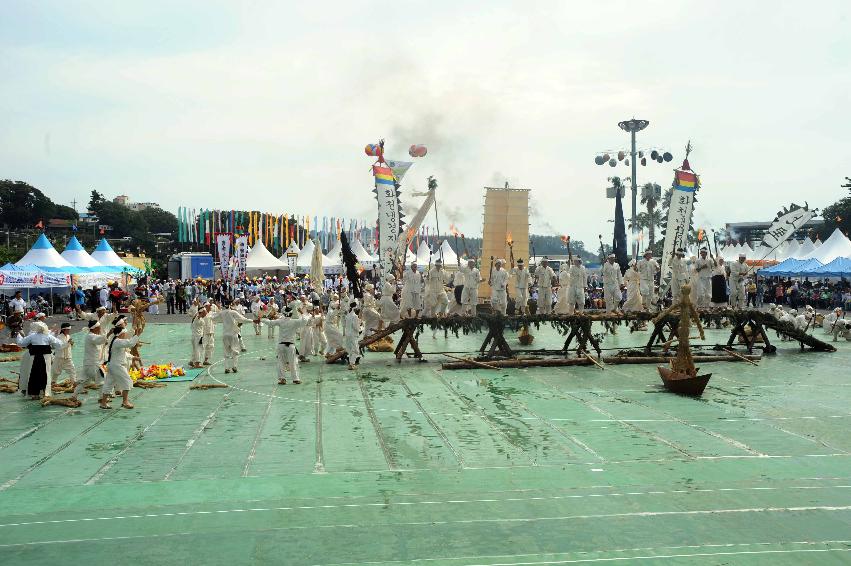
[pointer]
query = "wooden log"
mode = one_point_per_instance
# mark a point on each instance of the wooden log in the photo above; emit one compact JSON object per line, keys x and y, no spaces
{"x":561,"y":362}
{"x":472,"y":361}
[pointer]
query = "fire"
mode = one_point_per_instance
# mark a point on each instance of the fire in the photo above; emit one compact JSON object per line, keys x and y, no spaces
{"x":508,"y":239}
{"x":410,"y":234}
{"x":454,"y":231}
{"x":700,"y":234}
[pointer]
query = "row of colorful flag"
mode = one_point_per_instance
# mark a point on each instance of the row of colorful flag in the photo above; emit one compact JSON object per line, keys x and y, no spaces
{"x":278,"y":231}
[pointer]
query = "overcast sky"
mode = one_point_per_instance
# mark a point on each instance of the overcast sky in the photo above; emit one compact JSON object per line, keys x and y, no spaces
{"x":268,"y":105}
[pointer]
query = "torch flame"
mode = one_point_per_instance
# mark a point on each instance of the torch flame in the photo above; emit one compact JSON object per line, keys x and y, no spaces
{"x":454,"y":231}
{"x":508,"y":239}
{"x":700,"y":234}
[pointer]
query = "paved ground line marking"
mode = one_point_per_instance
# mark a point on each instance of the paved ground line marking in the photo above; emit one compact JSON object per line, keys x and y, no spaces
{"x":433,"y":424}
{"x":319,"y":465}
{"x":60,"y":448}
{"x":388,"y":456}
{"x":37,"y":427}
{"x":482,"y":413}
{"x":431,"y":502}
{"x":98,"y":475}
{"x":253,"y":452}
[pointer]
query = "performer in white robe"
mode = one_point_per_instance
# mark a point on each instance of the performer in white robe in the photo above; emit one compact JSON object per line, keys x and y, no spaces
{"x":209,"y":330}
{"x":436,"y":301}
{"x":63,"y":362}
{"x":522,"y":279}
{"x":827,"y":323}
{"x":576,"y":289}
{"x":117,"y":364}
{"x":563,"y":288}
{"x":93,"y":357}
{"x":351,"y":336}
{"x":386,"y":305}
{"x":647,"y":269}
{"x":256,"y":312}
{"x":498,"y":283}
{"x":545,"y":275}
{"x":612,"y":283}
{"x":738,"y":274}
{"x":196,"y":335}
{"x":288,"y":327}
{"x":271,"y":313}
{"x":633,"y":288}
{"x":679,"y":275}
{"x":230,"y":319}
{"x":39,"y":344}
{"x":412,"y":292}
{"x":470,"y":278}
{"x":704,"y":267}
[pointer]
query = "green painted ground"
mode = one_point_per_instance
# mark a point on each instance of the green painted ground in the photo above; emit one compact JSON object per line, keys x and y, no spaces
{"x":410,"y":464}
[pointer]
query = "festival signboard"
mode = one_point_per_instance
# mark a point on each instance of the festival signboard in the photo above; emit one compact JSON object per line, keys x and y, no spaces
{"x":240,"y":252}
{"x":787,"y":222}
{"x":389,"y":214}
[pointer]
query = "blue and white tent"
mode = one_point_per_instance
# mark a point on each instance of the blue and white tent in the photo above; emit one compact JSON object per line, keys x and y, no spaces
{"x":77,"y":256}
{"x":45,"y":257}
{"x":106,"y":256}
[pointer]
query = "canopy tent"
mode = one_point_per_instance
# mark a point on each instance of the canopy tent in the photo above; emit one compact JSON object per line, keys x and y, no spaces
{"x":792,"y":248}
{"x":792,"y":268}
{"x":747,"y":250}
{"x":780,"y":253}
{"x":818,"y":242}
{"x":261,"y":259}
{"x":423,"y":253}
{"x":77,"y":256}
{"x":806,"y":248}
{"x":835,"y":246}
{"x":22,"y":276}
{"x":44,"y":256}
{"x":293,"y":248}
{"x":105,"y":255}
{"x":448,"y":255}
{"x":360,"y":252}
{"x":839,"y":267}
{"x":305,"y":258}
{"x":729,"y":253}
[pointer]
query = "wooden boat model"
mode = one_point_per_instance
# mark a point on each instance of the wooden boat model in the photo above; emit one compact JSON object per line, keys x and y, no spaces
{"x":683,"y":383}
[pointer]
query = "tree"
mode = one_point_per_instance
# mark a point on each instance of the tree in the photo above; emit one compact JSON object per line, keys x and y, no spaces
{"x":654,"y":218}
{"x":159,"y":221}
{"x":65,"y":212}
{"x":838,"y":215}
{"x":22,"y":205}
{"x":95,"y":201}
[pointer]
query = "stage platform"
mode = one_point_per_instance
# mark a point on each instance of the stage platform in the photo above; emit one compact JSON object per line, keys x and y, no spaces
{"x":400,"y":463}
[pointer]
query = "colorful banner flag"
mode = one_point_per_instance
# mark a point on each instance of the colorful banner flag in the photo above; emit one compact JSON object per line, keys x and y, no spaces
{"x":389,"y":220}
{"x":686,"y":184}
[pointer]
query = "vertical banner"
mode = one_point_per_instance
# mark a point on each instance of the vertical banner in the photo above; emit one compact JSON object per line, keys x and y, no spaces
{"x":223,"y":247}
{"x":389,"y":223}
{"x":686,"y":184}
{"x":240,"y":252}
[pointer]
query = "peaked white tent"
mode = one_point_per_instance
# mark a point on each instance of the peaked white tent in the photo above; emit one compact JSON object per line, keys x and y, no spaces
{"x":293,"y":247}
{"x":805,"y":248}
{"x":747,"y":250}
{"x":792,"y":248}
{"x":77,"y":256}
{"x":305,"y":258}
{"x":44,"y":255}
{"x":423,"y":253}
{"x":261,"y":259}
{"x":105,"y":255}
{"x":818,"y":242}
{"x":835,"y":246}
{"x":450,"y":258}
{"x":730,"y":252}
{"x":361,"y":253}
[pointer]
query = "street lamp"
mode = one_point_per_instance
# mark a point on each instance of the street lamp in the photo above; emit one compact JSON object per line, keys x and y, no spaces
{"x":633,"y":126}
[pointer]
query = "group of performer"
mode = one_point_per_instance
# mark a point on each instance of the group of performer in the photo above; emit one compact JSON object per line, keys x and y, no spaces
{"x":108,"y":356}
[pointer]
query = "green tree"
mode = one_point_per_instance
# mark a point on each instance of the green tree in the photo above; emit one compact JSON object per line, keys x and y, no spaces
{"x":654,"y":217}
{"x":22,"y":205}
{"x":160,"y":221}
{"x":95,"y":201}
{"x":65,"y":212}
{"x":838,"y":215}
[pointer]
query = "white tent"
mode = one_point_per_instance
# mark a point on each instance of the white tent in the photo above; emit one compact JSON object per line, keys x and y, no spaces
{"x":818,"y":242}
{"x":450,"y":258}
{"x":363,"y":256}
{"x":43,"y":254}
{"x":423,"y":253}
{"x":747,"y":250}
{"x":781,"y":252}
{"x":105,"y":255}
{"x":335,"y":251}
{"x":835,"y":246}
{"x":77,"y":256}
{"x":261,"y":259}
{"x":293,"y":247}
{"x":730,"y":252}
{"x":792,"y":248}
{"x":805,"y":249}
{"x":305,"y":258}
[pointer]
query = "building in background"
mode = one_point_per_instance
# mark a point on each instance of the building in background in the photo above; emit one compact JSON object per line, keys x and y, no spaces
{"x":124,"y":200}
{"x":753,"y":232}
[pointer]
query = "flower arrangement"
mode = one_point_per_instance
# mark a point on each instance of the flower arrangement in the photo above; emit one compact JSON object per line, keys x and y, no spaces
{"x":156,"y":371}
